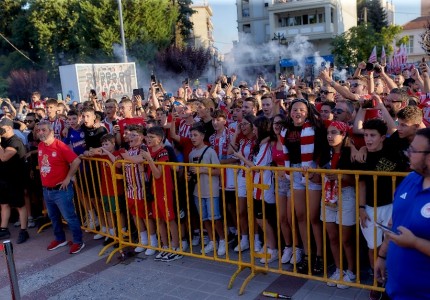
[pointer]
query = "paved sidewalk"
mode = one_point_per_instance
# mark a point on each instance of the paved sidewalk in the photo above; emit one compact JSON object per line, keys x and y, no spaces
{"x":58,"y":275}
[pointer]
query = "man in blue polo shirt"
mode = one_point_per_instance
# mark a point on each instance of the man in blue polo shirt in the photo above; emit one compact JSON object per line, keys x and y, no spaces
{"x":407,"y":251}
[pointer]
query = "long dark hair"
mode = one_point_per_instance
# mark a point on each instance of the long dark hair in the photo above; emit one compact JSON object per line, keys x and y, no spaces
{"x":264,"y":130}
{"x":313,"y":115}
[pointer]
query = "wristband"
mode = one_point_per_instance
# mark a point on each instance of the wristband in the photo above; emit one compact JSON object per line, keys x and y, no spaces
{"x":332,"y":83}
{"x":362,"y":206}
{"x":383,"y":257}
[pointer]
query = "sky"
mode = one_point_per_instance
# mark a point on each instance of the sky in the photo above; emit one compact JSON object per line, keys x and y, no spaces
{"x":224,"y":19}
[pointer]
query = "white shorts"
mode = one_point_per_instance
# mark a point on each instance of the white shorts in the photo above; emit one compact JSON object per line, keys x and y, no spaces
{"x":383,"y":215}
{"x":348,"y":209}
{"x":241,"y":186}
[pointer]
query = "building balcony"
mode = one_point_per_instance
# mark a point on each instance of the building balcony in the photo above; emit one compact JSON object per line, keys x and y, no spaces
{"x":316,"y":31}
{"x":281,"y":5}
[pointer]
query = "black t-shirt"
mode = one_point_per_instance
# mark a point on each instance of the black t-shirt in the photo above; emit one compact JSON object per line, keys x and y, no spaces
{"x":292,"y":142}
{"x":209,"y":129}
{"x":399,"y":146}
{"x":11,"y":170}
{"x":93,"y":135}
{"x":387,"y":161}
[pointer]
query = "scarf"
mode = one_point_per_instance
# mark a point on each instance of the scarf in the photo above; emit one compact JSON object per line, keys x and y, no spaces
{"x":331,"y":188}
{"x":307,"y":146}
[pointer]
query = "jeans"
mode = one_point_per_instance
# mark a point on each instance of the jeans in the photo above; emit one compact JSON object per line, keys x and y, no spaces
{"x":60,"y":203}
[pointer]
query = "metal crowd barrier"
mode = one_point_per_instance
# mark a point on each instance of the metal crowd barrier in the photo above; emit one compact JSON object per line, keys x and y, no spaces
{"x":97,"y":174}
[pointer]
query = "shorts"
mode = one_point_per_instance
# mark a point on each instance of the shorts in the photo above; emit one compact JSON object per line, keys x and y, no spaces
{"x":269,"y":209}
{"x":348,"y":209}
{"x":159,"y":208}
{"x":137,"y":208}
{"x":109,"y":203}
{"x":241,"y":186}
{"x":299,"y":181}
{"x":383,"y":215}
{"x":284,"y":187}
{"x":206,"y":212}
{"x":12,"y":194}
{"x":230,"y":196}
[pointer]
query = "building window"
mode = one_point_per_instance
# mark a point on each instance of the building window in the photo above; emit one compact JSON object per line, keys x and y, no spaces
{"x":321,"y":18}
{"x":332,"y":15}
{"x":245,"y":13}
{"x":312,"y":19}
{"x":247,"y":28}
{"x":410,"y":45}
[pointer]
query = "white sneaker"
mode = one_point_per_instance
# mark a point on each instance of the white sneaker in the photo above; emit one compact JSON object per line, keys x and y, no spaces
{"x":31,"y":223}
{"x":221,"y":248}
{"x":334,"y":276}
{"x":299,"y":254}
{"x":196,"y":240}
{"x":210,"y":247}
{"x":99,"y":236}
{"x":244,"y":245}
{"x":17,"y":224}
{"x":348,"y":276}
{"x":287,"y":255}
{"x":257,"y":246}
{"x":149,"y":252}
{"x":272,"y":255}
{"x":139,"y":249}
{"x":184,"y":245}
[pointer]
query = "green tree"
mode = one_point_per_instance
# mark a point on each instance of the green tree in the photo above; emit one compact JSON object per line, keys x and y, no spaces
{"x":376,"y":15}
{"x":184,"y":23}
{"x":356,"y":44}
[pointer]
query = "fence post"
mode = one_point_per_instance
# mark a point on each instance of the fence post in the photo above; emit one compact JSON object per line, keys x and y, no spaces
{"x":13,"y":278}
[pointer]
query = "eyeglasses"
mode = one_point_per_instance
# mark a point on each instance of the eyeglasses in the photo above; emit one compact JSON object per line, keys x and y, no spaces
{"x":354,"y":85}
{"x":244,"y":124}
{"x":326,"y":92}
{"x":412,"y":150}
{"x":337,"y":111}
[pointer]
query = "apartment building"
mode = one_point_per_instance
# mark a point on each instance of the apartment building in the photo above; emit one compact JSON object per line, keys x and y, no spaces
{"x":202,"y":33}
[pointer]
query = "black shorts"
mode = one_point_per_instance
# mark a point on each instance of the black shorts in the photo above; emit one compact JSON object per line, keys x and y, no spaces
{"x":270,"y":210}
{"x":12,"y":194}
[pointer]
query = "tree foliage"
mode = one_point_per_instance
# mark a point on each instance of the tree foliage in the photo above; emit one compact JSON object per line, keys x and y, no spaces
{"x":184,"y":23}
{"x":23,"y":82}
{"x":188,"y":61}
{"x":376,"y":15}
{"x":356,"y":44}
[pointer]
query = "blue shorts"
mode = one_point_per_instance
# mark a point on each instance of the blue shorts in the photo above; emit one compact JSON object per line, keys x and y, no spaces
{"x":206,"y":212}
{"x":299,"y":181}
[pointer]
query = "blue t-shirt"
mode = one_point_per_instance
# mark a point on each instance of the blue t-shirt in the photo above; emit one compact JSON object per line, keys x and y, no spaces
{"x":76,"y":139}
{"x":409,"y":269}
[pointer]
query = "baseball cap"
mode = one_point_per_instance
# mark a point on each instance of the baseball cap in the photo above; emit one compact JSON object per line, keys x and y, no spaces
{"x":6,"y":122}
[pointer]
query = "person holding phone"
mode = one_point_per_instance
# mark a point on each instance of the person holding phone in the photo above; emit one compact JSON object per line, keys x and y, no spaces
{"x":405,"y":255}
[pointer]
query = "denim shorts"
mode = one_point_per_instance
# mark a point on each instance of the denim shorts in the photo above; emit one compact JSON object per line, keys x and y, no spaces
{"x":206,"y":212}
{"x":299,"y":181}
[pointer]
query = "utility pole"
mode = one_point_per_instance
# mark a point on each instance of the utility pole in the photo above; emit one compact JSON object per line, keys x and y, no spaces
{"x":365,"y":15}
{"x":121,"y":23}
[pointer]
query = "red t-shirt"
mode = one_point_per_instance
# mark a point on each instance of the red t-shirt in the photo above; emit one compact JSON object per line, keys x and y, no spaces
{"x":54,"y":161}
{"x":130,"y":121}
{"x":165,"y":181}
{"x":106,"y":176}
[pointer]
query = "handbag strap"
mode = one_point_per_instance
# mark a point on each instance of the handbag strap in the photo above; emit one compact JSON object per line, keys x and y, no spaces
{"x":201,"y":157}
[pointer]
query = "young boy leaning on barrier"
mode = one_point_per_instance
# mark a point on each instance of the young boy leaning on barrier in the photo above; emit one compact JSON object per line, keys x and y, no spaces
{"x":107,"y":151}
{"x":205,"y":199}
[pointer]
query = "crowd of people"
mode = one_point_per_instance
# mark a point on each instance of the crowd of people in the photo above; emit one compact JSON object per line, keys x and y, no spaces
{"x":366,"y":122}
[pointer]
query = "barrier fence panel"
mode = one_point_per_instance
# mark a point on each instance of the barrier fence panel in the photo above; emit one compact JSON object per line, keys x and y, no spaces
{"x":170,"y":210}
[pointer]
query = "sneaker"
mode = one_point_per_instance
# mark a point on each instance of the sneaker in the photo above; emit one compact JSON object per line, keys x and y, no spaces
{"x":17,"y":224}
{"x":348,"y":276}
{"x":56,"y":244}
{"x":221,"y":248}
{"x":184,"y":245}
{"x":298,"y":256}
{"x":22,"y":237}
{"x":302,"y":266}
{"x":318,"y":266}
{"x":210,"y":247}
{"x":257,"y":246}
{"x":205,"y":239}
{"x":271,"y":255}
{"x":76,"y":248}
{"x":161,"y":254}
{"x":150,"y":252}
{"x":196,"y":240}
{"x":171,"y":257}
{"x":99,"y":236}
{"x":31,"y":223}
{"x":287,"y":255}
{"x":139,"y":249}
{"x":4,"y":233}
{"x":244,"y":245}
{"x":334,"y":276}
